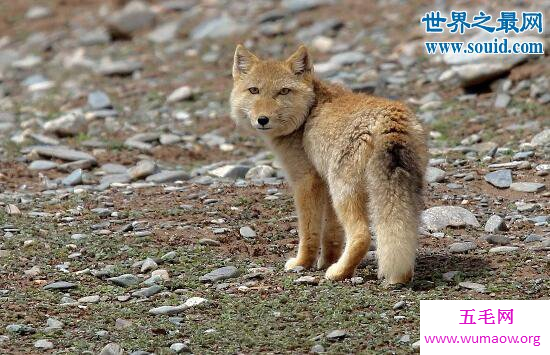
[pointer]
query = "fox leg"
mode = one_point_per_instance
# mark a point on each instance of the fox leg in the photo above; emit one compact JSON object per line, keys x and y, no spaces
{"x":332,"y":237}
{"x":350,"y":205}
{"x":309,"y":197}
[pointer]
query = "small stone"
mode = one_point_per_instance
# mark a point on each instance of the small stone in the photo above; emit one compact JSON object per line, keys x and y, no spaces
{"x":449,"y":275}
{"x":260,"y":172}
{"x":527,"y":186}
{"x":357,"y":280}
{"x":317,"y":349}
{"x":122,"y":323}
{"x":39,"y":165}
{"x":210,"y":242}
{"x":69,"y":124}
{"x":60,"y":285}
{"x":12,"y":209}
{"x":498,"y":239}
{"x":502,"y":100}
{"x":148,"y":265}
{"x":503,"y":250}
{"x":89,"y":299}
{"x":434,"y":175}
{"x":133,"y":17}
{"x":180,"y":94}
{"x":223,"y":273}
{"x":416,"y":345}
{"x":163,"y":274}
{"x":147,"y":291}
{"x":500,"y":178}
{"x":118,"y":68}
{"x":399,"y":305}
{"x":230,"y":171}
{"x":112,"y":349}
{"x":167,"y":310}
{"x":180,"y":348}
{"x":472,"y":286}
{"x":168,"y":176}
{"x":247,"y":232}
{"x":440,"y":217}
{"x":337,"y":334}
{"x":43,"y":344}
{"x":62,"y":153}
{"x":142,"y":169}
{"x":495,"y":223}
{"x":168,"y":139}
{"x":74,"y":178}
{"x":37,"y":12}
{"x":21,"y":329}
{"x":307,"y":280}
{"x":98,"y":100}
{"x":195,"y":302}
{"x":125,"y":280}
{"x":53,"y":324}
{"x":542,"y":138}
{"x":462,"y":247}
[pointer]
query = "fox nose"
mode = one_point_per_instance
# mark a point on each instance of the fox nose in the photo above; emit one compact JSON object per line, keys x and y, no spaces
{"x":263,"y":120}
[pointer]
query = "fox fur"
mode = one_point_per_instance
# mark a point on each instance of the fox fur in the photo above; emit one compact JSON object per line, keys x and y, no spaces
{"x":350,"y":158}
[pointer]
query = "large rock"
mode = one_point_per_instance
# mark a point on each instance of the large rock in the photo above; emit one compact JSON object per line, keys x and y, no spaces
{"x":136,"y":15}
{"x":441,"y":217}
{"x":70,"y":124}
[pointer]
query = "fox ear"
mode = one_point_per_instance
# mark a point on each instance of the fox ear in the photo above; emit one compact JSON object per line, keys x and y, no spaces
{"x":243,"y":61}
{"x":300,"y":61}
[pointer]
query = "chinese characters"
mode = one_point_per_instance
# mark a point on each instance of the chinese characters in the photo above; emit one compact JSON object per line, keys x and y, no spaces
{"x":504,"y":316}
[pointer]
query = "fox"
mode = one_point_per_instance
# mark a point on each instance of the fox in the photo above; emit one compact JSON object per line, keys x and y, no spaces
{"x":349,"y":158}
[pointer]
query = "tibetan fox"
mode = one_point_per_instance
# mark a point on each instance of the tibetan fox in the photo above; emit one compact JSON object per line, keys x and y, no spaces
{"x":348,"y":157}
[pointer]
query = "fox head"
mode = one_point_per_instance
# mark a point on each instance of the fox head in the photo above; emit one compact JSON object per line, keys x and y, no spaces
{"x":271,"y":97}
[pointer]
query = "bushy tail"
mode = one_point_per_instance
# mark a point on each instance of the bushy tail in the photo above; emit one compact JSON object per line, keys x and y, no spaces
{"x":395,"y":181}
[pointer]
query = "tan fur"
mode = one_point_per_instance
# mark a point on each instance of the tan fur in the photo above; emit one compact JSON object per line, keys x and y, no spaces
{"x":346,"y":155}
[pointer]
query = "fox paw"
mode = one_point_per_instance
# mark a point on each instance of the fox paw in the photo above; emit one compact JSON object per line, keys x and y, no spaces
{"x":337,"y":273}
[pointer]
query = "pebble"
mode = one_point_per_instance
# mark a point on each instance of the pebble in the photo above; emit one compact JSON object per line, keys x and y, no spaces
{"x":498,"y":239}
{"x":180,"y":94}
{"x":180,"y":348}
{"x":337,"y":334}
{"x":462,"y":247}
{"x":434,"y":175}
{"x":167,"y":310}
{"x":142,"y":169}
{"x":60,"y":286}
{"x":98,"y":100}
{"x":472,"y":286}
{"x":43,"y":344}
{"x":147,"y":291}
{"x":39,"y":165}
{"x":307,"y":280}
{"x":112,"y":349}
{"x":21,"y":329}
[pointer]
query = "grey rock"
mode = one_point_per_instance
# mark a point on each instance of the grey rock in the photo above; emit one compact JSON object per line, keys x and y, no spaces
{"x":307,"y":280}
{"x":21,"y":329}
{"x":542,"y":138}
{"x":125,"y":280}
{"x":523,"y":155}
{"x":180,"y":94}
{"x":502,"y":100}
{"x":503,"y":250}
{"x":168,"y":176}
{"x":112,"y":349}
{"x":142,"y":169}
{"x":462,"y":247}
{"x":295,"y":6}
{"x":135,"y":16}
{"x":348,"y":58}
{"x":495,"y":223}
{"x":74,"y":178}
{"x":62,"y":153}
{"x":230,"y":171}
{"x":167,"y":139}
{"x":53,"y":324}
{"x":60,"y":285}
{"x":111,"y":168}
{"x":399,"y":305}
{"x":223,"y":273}
{"x":500,"y":178}
{"x":260,"y":172}
{"x":37,"y":12}
{"x":94,"y":37}
{"x":247,"y":232}
{"x":434,"y":174}
{"x":472,"y":286}
{"x":108,"y":180}
{"x":167,"y":310}
{"x":120,"y":67}
{"x":531,"y":238}
{"x":449,"y":275}
{"x":337,"y":334}
{"x":98,"y":100}
{"x":148,"y":265}
{"x":498,"y":239}
{"x":102,"y":211}
{"x":147,"y":291}
{"x":217,"y":28}
{"x":166,"y":32}
{"x":39,"y":165}
{"x":317,"y":349}
{"x":70,"y":124}
{"x":527,"y":186}
{"x":180,"y":348}
{"x":440,"y":217}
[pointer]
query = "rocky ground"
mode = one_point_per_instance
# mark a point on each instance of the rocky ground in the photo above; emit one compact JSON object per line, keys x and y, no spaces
{"x":134,"y":216}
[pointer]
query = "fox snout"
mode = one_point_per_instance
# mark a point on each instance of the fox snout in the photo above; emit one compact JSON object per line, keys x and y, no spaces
{"x":263,"y":113}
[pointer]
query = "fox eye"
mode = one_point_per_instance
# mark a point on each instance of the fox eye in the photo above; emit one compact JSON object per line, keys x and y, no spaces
{"x":284,"y":91}
{"x":254,"y":90}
